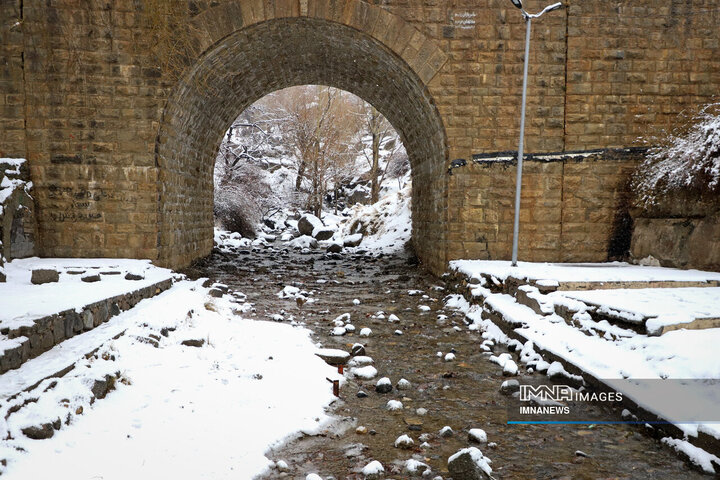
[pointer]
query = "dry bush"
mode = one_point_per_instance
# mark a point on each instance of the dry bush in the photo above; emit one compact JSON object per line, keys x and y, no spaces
{"x":687,"y":162}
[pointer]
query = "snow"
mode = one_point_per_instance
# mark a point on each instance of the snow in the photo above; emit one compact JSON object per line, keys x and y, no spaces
{"x":580,"y":272}
{"x":696,"y":455}
{"x":22,"y":302}
{"x":226,"y":402}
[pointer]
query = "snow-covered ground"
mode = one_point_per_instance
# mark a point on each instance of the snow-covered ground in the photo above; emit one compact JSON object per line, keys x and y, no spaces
{"x":252,"y":384}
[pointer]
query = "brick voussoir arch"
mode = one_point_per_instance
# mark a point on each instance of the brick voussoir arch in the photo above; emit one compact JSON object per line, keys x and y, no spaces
{"x":421,"y":53}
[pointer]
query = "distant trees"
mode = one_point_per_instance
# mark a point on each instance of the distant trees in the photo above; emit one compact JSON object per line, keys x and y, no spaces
{"x":323,"y":136}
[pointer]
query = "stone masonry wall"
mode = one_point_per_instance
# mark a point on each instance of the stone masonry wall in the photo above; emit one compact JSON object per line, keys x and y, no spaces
{"x":569,"y":207}
{"x":84,"y":90}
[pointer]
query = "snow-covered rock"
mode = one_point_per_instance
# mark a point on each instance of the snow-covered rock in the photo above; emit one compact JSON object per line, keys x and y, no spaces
{"x":338,"y":331}
{"x":413,"y":467}
{"x":469,"y":464}
{"x":352,"y":240}
{"x":446,"y":431}
{"x":404,"y":441}
{"x":360,"y":360}
{"x":393,"y":405}
{"x":367,"y":372}
{"x":403,"y":384}
{"x":477,"y":435}
{"x":333,"y":356}
{"x":393,"y":318}
{"x":365,"y":332}
{"x":384,"y":385}
{"x":308,"y":223}
{"x":373,"y":470}
{"x":449,"y":357}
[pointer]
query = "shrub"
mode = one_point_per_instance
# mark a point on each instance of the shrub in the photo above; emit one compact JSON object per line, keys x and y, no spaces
{"x":687,"y":162}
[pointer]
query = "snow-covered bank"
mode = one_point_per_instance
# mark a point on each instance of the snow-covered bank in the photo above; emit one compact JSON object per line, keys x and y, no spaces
{"x":611,"y":353}
{"x":251,"y":385}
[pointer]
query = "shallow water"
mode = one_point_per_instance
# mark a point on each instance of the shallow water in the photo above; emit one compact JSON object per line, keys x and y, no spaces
{"x":462,"y":394}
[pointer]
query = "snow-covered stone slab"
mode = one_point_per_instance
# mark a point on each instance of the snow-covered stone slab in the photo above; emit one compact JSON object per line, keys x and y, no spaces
{"x":584,"y":276}
{"x":659,"y":309}
{"x":333,"y":356}
{"x":22,"y":301}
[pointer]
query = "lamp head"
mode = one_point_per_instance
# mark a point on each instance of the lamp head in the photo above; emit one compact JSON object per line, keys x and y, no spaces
{"x":552,"y":7}
{"x":517,"y":3}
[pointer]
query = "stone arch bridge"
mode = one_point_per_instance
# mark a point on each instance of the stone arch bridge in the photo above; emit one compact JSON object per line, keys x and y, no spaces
{"x":119,"y":107}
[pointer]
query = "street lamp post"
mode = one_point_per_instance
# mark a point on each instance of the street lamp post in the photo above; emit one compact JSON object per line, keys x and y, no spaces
{"x":518,"y":185}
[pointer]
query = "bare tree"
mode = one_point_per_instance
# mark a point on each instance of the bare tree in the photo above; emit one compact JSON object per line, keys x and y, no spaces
{"x":382,"y":134}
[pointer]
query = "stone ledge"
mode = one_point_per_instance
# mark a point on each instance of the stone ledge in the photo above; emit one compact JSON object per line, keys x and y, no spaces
{"x":46,"y":332}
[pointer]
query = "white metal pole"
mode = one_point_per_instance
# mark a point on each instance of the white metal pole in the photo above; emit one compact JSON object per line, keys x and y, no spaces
{"x":518,"y":182}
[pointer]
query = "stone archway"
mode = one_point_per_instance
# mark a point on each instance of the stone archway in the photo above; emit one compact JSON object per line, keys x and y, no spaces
{"x":253,"y":50}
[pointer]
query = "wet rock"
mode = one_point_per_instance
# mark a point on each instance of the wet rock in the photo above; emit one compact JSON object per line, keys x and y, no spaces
{"x":383,"y":385}
{"x":469,"y":464}
{"x":44,"y":275}
{"x":39,"y":432}
{"x":90,"y":278}
{"x":361,"y":394}
{"x":358,"y":350}
{"x":215,"y":292}
{"x":193,"y":343}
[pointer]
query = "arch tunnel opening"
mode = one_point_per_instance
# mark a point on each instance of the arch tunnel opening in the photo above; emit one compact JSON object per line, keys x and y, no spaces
{"x":269,"y":56}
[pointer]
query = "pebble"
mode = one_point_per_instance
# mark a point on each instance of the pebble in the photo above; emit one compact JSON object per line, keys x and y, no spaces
{"x":349,"y":328}
{"x":421,"y":411}
{"x":361,"y":394}
{"x":393,"y":405}
{"x":450,"y":357}
{"x":393,"y":318}
{"x":361,"y":430}
{"x":446,"y":432}
{"x":313,"y":476}
{"x":282,"y":466}
{"x":424,"y":437}
{"x":398,"y":332}
{"x":356,"y":302}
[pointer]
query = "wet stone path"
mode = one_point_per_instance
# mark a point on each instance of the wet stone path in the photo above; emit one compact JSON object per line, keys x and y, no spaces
{"x":462,"y":393}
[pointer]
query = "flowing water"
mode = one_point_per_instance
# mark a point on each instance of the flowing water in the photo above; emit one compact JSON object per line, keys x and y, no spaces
{"x":462,"y":394}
